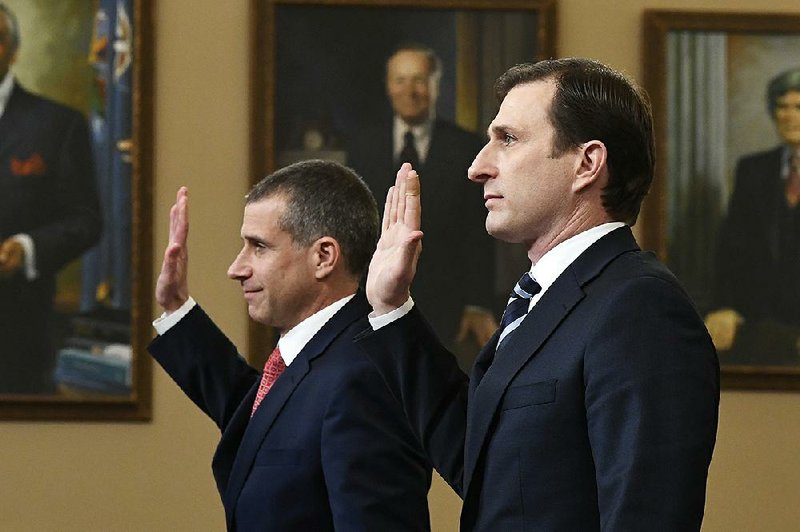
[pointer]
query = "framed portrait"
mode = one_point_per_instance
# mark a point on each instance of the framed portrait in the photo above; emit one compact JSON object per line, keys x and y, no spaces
{"x":75,"y":196}
{"x":342,"y":80}
{"x":722,"y":213}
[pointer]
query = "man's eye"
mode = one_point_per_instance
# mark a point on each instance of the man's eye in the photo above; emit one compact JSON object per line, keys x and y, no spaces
{"x":508,"y":139}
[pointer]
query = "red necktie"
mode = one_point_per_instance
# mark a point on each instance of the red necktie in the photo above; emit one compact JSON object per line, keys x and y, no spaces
{"x":272,"y":370}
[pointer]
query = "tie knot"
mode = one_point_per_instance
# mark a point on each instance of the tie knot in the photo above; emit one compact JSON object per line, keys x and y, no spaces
{"x":526,"y":287}
{"x":408,"y":138}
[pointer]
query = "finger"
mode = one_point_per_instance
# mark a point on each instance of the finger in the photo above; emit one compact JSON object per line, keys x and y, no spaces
{"x":387,"y":209}
{"x":400,"y":186}
{"x":412,"y":215}
{"x":396,"y":195}
{"x":182,"y":229}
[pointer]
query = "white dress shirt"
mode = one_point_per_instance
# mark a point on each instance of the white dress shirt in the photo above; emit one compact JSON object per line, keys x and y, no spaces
{"x":422,"y":137}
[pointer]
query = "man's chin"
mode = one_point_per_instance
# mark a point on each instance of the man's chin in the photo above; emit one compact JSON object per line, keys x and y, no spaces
{"x":502,"y":233}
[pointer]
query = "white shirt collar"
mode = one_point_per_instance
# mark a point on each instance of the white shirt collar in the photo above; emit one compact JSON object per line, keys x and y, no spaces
{"x":6,"y":86}
{"x":422,"y":136}
{"x":295,"y":339}
{"x":554,"y":262}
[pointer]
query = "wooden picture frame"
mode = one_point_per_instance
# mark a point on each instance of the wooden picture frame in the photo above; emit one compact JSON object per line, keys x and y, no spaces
{"x":329,"y":57}
{"x":103,"y":311}
{"x":707,"y":75}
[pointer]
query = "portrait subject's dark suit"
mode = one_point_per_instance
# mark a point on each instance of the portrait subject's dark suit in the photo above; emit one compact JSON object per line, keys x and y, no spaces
{"x":757,"y":263}
{"x":47,"y":190}
{"x":457,"y":251}
{"x":598,"y":412}
{"x":328,"y":448}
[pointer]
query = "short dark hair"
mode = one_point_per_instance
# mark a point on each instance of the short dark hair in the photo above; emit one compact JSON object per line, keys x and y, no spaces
{"x":595,"y":102}
{"x":784,"y":82}
{"x":14,"y":29}
{"x":324,"y":198}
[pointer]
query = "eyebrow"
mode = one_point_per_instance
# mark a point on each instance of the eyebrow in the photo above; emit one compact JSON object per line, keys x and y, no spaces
{"x":499,"y":129}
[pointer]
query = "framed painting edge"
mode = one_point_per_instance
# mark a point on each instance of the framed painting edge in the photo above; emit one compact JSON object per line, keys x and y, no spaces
{"x":260,"y":339}
{"x":656,"y":24}
{"x":137,"y":407}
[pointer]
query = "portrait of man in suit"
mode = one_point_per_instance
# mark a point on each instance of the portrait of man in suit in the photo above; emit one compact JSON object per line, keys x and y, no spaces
{"x":594,"y":406}
{"x":316,"y":441}
{"x":441,"y":152}
{"x":757,"y":289}
{"x":49,"y":215}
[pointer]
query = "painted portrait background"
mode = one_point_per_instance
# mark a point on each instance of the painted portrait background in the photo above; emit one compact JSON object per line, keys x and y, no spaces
{"x":716,"y":113}
{"x":329,"y":71}
{"x":80,"y":53}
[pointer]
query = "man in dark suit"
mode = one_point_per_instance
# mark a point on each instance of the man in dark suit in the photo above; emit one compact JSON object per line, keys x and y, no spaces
{"x":595,"y":405}
{"x":49,"y":215}
{"x":441,"y":152}
{"x":758,"y":255}
{"x":328,"y":448}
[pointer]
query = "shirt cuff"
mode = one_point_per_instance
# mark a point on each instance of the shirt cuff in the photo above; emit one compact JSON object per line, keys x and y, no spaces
{"x":26,"y":242}
{"x":168,"y":319}
{"x":390,"y":317}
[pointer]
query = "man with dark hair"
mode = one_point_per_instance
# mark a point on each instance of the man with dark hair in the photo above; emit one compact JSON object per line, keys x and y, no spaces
{"x":595,"y":404}
{"x":49,"y":215}
{"x":316,"y":441}
{"x":441,"y":151}
{"x":758,"y":252}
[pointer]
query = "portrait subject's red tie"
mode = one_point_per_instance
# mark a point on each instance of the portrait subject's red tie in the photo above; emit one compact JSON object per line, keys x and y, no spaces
{"x":272,"y":370}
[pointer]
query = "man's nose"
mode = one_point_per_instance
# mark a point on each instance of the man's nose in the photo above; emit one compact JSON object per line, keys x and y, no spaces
{"x":482,"y":167}
{"x":238,"y":270}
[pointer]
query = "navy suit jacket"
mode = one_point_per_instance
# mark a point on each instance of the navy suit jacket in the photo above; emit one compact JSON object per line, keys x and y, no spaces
{"x":47,"y":190}
{"x":328,"y":448}
{"x":452,"y":206}
{"x":598,"y":412}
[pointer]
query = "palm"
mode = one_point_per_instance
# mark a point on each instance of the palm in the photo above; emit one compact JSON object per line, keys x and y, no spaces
{"x":172,"y":286}
{"x":394,"y":263}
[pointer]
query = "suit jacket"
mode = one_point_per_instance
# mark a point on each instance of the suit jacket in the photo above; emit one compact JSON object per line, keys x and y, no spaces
{"x":47,"y":190}
{"x":453,"y":206}
{"x":598,"y":412}
{"x":328,"y":448}
{"x":758,"y":257}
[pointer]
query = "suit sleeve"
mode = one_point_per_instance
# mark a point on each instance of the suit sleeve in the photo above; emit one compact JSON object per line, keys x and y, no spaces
{"x":205,"y":364}
{"x":426,"y":380}
{"x":652,"y":396}
{"x":375,"y":471}
{"x":75,"y":222}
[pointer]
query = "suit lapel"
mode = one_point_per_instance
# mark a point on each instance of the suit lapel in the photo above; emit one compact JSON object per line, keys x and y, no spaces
{"x":777,"y":199}
{"x":8,"y":121}
{"x":482,"y":362}
{"x":267,"y":413}
{"x":523,"y":344}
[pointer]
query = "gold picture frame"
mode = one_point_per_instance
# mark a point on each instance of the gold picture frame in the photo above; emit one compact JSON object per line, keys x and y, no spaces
{"x":707,"y":75}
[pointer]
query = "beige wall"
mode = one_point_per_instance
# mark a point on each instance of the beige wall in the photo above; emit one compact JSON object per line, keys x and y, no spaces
{"x":106,"y":476}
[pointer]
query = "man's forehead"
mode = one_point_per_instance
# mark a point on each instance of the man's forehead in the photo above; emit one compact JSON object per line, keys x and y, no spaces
{"x":524,"y":102}
{"x":792,"y":95}
{"x":410,"y":59}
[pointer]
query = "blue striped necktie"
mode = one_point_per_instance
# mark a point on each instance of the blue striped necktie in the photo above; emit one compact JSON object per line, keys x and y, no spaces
{"x":518,"y":302}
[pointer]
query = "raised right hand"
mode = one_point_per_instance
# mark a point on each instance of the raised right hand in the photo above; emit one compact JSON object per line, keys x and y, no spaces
{"x":395,"y":260}
{"x":172,"y":286}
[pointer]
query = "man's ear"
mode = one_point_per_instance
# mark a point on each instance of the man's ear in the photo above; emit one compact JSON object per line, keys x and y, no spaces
{"x":592,"y":165}
{"x":326,"y":256}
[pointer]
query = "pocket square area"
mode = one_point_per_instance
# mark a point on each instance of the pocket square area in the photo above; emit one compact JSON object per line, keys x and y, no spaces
{"x":34,"y":165}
